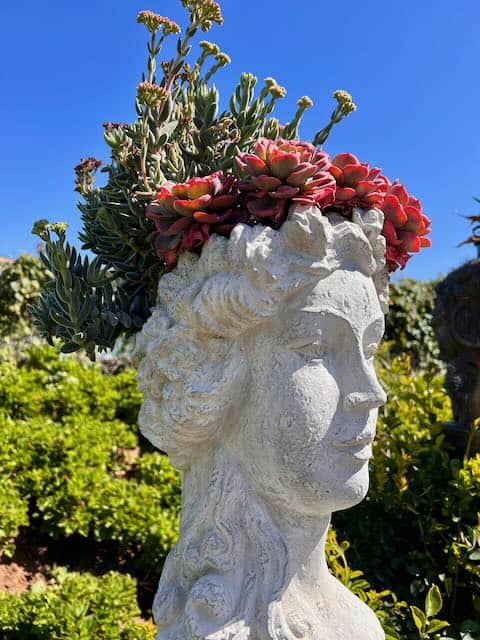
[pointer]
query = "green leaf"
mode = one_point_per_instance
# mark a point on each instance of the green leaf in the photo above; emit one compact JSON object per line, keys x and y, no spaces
{"x":69,"y":347}
{"x":437,"y":625}
{"x":60,"y":320}
{"x":433,"y":601}
{"x":419,"y":618}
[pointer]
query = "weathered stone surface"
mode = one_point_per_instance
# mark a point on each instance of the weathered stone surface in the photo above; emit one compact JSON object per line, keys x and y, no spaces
{"x":257,"y":370}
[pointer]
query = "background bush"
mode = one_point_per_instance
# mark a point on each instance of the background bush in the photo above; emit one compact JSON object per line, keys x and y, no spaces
{"x":21,"y":282}
{"x":75,"y":605}
{"x":408,"y":324}
{"x":81,"y":472}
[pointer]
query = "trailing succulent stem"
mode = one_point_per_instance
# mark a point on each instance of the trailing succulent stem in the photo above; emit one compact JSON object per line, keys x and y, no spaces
{"x":80,"y":305}
{"x":180,"y":133}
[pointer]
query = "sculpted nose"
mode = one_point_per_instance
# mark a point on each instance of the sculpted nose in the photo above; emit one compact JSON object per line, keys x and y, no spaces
{"x":367,"y":398}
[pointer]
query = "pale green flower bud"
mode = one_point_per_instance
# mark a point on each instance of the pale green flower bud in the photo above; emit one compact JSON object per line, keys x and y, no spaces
{"x":277,"y":91}
{"x":210,"y":48}
{"x":223,"y":59}
{"x":59,"y":228}
{"x":305,"y":102}
{"x":345,"y":101}
{"x":40,"y":228}
{"x":153,"y":22}
{"x":151,"y":94}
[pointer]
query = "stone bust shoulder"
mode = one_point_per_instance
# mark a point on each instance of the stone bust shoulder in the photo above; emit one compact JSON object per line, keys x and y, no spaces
{"x":258,"y":379}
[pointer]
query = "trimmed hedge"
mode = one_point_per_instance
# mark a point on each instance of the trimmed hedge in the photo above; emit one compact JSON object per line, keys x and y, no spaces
{"x":42,"y":383}
{"x":81,"y":472}
{"x":75,"y":606}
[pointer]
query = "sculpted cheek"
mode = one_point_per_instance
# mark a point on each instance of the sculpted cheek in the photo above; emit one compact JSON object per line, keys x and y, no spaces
{"x":296,"y":456}
{"x":311,"y":399}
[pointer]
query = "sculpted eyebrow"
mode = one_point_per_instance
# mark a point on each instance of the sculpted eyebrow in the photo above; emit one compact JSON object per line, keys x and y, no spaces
{"x":309,"y":326}
{"x":303,"y":340}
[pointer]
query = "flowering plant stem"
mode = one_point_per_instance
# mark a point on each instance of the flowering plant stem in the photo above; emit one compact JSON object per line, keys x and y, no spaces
{"x":180,"y":134}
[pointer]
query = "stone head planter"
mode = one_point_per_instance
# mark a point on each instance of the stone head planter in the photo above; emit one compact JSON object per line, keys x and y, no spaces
{"x":258,"y":379}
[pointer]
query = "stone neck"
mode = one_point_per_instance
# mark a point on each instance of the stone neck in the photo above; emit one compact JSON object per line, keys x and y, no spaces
{"x":242,"y":569}
{"x":305,"y":539}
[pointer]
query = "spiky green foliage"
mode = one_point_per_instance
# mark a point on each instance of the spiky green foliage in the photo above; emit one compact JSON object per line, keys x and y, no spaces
{"x":180,"y":132}
{"x":83,"y":305}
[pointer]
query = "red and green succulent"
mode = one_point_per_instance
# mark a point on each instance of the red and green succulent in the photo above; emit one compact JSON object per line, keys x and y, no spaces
{"x":186,"y":214}
{"x":281,"y":172}
{"x":405,"y":227}
{"x":357,"y":184}
{"x":275,"y":175}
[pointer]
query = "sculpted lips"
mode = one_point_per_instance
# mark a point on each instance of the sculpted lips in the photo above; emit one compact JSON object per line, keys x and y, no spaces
{"x":362,"y":440}
{"x":359,"y":447}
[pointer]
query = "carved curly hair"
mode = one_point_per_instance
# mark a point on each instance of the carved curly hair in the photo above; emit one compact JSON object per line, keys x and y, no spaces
{"x":190,"y":362}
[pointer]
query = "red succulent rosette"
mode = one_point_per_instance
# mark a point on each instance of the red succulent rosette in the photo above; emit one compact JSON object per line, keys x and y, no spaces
{"x":281,"y":172}
{"x":186,"y":214}
{"x":357,"y":184}
{"x":405,"y":227}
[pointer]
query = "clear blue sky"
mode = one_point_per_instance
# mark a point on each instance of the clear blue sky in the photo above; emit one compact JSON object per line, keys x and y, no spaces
{"x":411,"y":66}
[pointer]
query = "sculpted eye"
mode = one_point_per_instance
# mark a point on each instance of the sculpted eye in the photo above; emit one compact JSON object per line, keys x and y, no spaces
{"x":313,"y":347}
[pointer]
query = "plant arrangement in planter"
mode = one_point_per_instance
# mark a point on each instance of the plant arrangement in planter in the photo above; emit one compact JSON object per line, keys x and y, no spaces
{"x":186,"y":169}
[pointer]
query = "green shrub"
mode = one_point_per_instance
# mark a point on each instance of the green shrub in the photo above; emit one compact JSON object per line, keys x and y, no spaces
{"x":422,"y":510}
{"x":408,"y":324}
{"x":21,"y":282}
{"x":77,"y":467}
{"x":43,"y":383}
{"x":391,"y":612}
{"x":75,"y":606}
{"x":78,"y":479}
{"x":13,"y":515}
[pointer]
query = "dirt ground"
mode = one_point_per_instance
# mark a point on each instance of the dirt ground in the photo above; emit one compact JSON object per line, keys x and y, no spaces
{"x":15,"y":579}
{"x":34,"y":560}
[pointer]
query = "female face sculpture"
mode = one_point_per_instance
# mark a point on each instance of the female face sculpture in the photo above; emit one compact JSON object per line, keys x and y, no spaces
{"x":257,"y":370}
{"x":307,"y":427}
